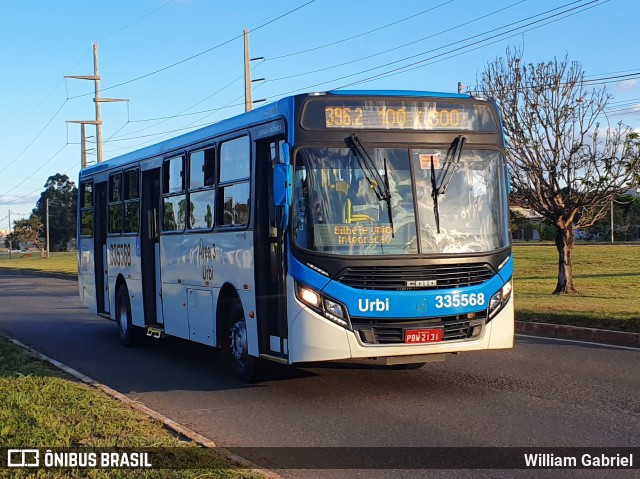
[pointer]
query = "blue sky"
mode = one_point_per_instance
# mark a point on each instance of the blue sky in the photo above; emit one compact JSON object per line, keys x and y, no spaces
{"x":323,"y":44}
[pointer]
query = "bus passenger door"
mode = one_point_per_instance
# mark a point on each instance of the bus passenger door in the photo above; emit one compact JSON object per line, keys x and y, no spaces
{"x":100,"y":248}
{"x":150,"y":246}
{"x":269,"y":254}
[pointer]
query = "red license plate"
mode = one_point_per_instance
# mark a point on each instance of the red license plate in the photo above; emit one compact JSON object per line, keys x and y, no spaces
{"x":422,"y":335}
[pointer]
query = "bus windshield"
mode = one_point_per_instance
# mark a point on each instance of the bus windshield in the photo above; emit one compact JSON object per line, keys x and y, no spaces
{"x":336,"y":209}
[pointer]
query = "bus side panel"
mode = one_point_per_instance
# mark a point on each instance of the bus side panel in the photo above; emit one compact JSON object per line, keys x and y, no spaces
{"x":234,"y":265}
{"x":87,"y":277}
{"x":178,"y":260}
{"x":174,"y":308}
{"x":201,"y":324}
{"x":123,"y":259}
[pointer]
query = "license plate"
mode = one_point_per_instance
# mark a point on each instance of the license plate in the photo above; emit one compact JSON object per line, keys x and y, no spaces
{"x":422,"y":335}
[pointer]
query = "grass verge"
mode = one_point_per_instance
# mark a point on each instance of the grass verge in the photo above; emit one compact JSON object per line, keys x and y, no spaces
{"x":607,"y":278}
{"x":62,"y":263}
{"x":42,"y":407}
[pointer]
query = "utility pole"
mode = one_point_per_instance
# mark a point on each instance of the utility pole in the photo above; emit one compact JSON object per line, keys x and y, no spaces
{"x":83,"y":146}
{"x":247,"y":73}
{"x":48,"y":225}
{"x":10,"y":237}
{"x":97,"y":100}
{"x":612,"y":220}
{"x":248,"y":101}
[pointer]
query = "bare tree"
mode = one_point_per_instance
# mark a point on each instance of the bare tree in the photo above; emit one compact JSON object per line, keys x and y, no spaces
{"x":564,"y":165}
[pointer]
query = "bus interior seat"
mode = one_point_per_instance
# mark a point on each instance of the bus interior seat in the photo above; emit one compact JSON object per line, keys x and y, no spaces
{"x":363,"y":203}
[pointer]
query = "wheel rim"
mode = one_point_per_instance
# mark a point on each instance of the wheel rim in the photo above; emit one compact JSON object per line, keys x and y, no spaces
{"x":239,"y":342}
{"x":123,"y":317}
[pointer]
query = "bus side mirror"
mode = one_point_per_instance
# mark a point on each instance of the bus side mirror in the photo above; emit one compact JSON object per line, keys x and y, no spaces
{"x":282,"y":180}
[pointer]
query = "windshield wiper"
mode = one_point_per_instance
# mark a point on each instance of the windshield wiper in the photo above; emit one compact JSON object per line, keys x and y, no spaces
{"x":440,"y":184}
{"x":379,"y":185}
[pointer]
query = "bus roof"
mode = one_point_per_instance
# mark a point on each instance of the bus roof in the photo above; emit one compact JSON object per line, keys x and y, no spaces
{"x":259,"y":115}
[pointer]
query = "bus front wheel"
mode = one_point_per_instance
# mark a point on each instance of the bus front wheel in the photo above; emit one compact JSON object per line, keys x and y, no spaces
{"x":243,"y":366}
{"x":130,"y":335}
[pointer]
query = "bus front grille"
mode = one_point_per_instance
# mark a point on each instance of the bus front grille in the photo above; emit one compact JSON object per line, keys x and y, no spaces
{"x":391,"y":331}
{"x":413,"y":278}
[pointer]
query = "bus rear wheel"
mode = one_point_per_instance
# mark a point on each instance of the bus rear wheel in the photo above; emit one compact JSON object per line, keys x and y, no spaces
{"x":130,"y":335}
{"x":243,"y":366}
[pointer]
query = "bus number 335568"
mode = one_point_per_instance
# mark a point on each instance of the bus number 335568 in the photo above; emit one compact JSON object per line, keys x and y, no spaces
{"x":457,"y":300}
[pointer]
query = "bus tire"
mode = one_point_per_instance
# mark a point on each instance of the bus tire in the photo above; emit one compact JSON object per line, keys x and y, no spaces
{"x":130,"y":335}
{"x":243,"y":365}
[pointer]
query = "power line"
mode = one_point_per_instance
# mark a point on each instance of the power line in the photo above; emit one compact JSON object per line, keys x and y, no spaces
{"x":64,"y":103}
{"x":135,"y":21}
{"x":405,"y":68}
{"x":182,"y":113}
{"x":75,"y":164}
{"x":384,"y":73}
{"x":403,"y":45}
{"x":146,"y":75}
{"x":458,"y":26}
{"x":320,"y":47}
{"x":580,"y":8}
{"x":34,"y":139}
{"x":34,"y":173}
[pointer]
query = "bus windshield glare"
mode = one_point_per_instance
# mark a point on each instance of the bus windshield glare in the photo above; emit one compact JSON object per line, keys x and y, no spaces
{"x":336,"y":210}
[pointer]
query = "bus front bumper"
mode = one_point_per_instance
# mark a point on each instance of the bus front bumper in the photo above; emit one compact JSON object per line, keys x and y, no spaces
{"x":314,"y":338}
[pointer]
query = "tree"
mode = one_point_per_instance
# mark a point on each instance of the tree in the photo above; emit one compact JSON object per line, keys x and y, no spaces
{"x":63,"y":199}
{"x":28,"y":230}
{"x":564,"y":166}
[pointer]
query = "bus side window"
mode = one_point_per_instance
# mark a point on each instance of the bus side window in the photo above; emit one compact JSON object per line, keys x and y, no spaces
{"x":131,"y":223}
{"x":233,"y":187}
{"x":174,"y":198}
{"x":201,"y":195}
{"x":86,"y":207}
{"x":115,"y":203}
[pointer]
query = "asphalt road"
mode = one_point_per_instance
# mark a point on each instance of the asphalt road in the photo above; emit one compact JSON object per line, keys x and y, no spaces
{"x":541,"y":393}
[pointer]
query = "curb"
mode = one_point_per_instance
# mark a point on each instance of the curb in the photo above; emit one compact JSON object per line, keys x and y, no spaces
{"x":169,"y":423}
{"x":603,"y":336}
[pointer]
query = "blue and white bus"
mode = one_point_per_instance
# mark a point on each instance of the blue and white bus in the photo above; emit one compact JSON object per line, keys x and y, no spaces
{"x":338,"y":226}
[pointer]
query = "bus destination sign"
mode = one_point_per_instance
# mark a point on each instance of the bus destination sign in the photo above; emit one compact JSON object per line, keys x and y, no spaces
{"x":397,"y":115}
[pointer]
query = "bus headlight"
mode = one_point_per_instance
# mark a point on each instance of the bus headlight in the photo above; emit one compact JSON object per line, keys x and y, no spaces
{"x":327,"y":307}
{"x":333,"y":308}
{"x":498,"y":300}
{"x":309,"y":296}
